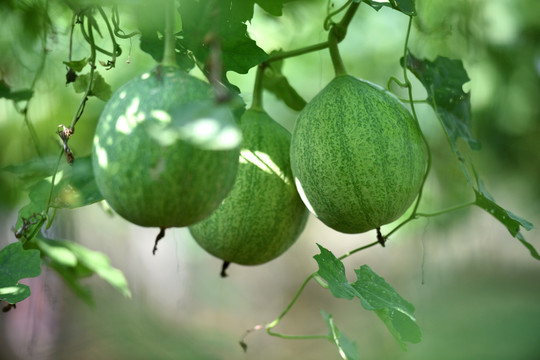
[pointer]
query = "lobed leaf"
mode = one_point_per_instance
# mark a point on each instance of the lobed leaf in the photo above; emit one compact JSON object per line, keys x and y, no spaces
{"x":76,"y":65}
{"x":332,"y":270}
{"x":100,"y":88}
{"x":17,"y":263}
{"x":347,"y":348}
{"x":222,"y":22}
{"x":394,"y":311}
{"x":149,"y":15}
{"x":375,"y":294}
{"x":443,"y":80}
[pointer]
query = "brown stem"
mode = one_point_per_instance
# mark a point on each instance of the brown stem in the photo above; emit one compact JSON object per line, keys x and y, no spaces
{"x":158,"y":237}
{"x":224,"y":268}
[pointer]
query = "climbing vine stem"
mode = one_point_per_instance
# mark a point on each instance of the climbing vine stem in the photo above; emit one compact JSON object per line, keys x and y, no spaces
{"x":408,"y":85}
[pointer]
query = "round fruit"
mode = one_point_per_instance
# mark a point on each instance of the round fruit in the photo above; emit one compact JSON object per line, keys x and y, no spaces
{"x":357,"y":156}
{"x":263,"y":214}
{"x":164,"y":154}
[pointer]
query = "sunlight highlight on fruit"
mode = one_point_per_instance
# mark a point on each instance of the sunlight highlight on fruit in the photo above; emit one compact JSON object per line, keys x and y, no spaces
{"x":264,"y":162}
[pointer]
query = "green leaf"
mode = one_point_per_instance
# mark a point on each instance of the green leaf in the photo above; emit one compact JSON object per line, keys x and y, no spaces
{"x":512,"y":222}
{"x":100,"y":88}
{"x":75,"y":262}
{"x":405,"y":6}
{"x":75,"y":186}
{"x":395,"y":312}
{"x":33,"y":170}
{"x":443,"y":80}
{"x":275,"y":82}
{"x":242,"y":10}
{"x":223,"y":23}
{"x":20,"y":95}
{"x":16,"y":264}
{"x":31,"y":213}
{"x":332,"y":270}
{"x":400,"y":326}
{"x":273,"y":7}
{"x":150,"y":15}
{"x":76,"y":65}
{"x":347,"y":348}
{"x":375,"y":294}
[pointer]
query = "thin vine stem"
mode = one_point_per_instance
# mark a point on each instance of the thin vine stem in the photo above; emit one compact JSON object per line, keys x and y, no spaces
{"x":395,"y":80}
{"x":447,"y":210}
{"x":352,"y":252}
{"x":424,"y":139}
{"x":116,"y":48}
{"x":314,"y":275}
{"x":297,"y":52}
{"x":330,"y":15}
{"x":116,"y":23}
{"x":86,"y":36}
{"x":291,"y":304}
{"x":37,"y":75}
{"x":92,"y":62}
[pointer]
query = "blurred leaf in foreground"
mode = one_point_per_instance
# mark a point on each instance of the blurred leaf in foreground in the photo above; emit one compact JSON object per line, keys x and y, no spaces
{"x":74,"y":262}
{"x":100,"y":88}
{"x":75,"y":186}
{"x":16,"y":264}
{"x":275,"y":82}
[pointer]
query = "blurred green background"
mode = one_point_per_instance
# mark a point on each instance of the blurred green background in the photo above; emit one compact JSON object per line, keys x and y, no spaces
{"x":476,"y":289}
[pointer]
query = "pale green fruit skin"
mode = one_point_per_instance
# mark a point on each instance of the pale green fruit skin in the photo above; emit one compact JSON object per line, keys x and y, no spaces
{"x":145,"y":178}
{"x":263,"y":214}
{"x":357,"y":156}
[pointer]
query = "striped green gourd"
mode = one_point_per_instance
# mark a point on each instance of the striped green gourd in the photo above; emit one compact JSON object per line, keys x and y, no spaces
{"x":357,"y":156}
{"x":263,"y":214}
{"x":164,"y":154}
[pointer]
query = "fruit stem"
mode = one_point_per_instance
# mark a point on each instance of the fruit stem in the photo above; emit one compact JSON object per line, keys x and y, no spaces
{"x":337,"y":61}
{"x":257,"y":101}
{"x":169,"y":53}
{"x":336,"y":34}
{"x":160,"y":236}
{"x":224,"y":267}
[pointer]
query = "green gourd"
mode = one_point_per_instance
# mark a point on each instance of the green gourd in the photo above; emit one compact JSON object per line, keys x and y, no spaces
{"x":263,"y":214}
{"x":164,"y":154}
{"x":357,"y":156}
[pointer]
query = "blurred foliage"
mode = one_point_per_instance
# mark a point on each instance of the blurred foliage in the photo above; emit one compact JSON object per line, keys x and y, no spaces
{"x":499,"y":42}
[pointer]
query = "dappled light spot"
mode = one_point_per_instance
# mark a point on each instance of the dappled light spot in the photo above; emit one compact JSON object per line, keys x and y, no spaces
{"x":101,"y":154}
{"x":211,"y":134}
{"x":145,"y":76}
{"x":264,"y":162}
{"x":161,"y":116}
{"x":127,"y":122}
